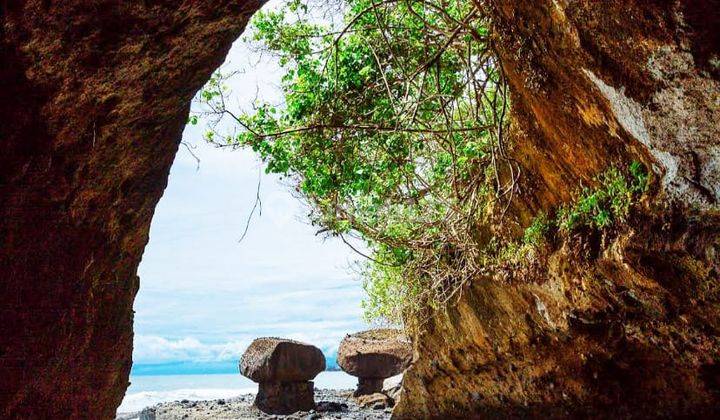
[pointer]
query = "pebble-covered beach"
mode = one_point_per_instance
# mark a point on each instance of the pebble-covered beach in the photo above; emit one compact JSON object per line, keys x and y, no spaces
{"x":331,"y":404}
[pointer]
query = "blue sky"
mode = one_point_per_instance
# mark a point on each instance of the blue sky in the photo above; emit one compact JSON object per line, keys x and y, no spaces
{"x":204,"y":296}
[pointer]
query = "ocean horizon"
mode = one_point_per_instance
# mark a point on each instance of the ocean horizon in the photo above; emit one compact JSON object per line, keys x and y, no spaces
{"x":202,"y":368}
{"x":146,"y":390}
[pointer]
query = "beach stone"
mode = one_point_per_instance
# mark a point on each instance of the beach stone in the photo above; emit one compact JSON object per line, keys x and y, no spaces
{"x":376,"y":401}
{"x":392,"y":386}
{"x":283,"y":369}
{"x":147,"y":414}
{"x":374,"y":355}
{"x":331,"y":406}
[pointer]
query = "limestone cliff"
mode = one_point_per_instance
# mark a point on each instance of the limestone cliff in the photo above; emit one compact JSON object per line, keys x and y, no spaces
{"x":94,"y":96}
{"x":623,"y":323}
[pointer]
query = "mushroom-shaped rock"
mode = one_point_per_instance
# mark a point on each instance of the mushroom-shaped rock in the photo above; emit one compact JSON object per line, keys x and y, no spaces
{"x":374,"y":355}
{"x":284,"y":369}
{"x":281,"y":360}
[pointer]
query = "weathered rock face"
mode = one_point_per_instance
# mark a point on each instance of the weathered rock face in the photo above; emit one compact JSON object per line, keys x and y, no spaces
{"x":276,"y":359}
{"x":626,"y":324}
{"x":94,"y":96}
{"x":376,"y":354}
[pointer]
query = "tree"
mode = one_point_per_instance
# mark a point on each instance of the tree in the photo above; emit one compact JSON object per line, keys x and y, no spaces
{"x":392,"y":129}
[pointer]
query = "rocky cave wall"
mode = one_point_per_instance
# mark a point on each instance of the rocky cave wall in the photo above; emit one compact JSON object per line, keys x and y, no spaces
{"x":94,"y":96}
{"x":621,"y":323}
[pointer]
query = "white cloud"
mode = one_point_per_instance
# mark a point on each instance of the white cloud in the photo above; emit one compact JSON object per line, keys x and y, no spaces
{"x":154,"y":349}
{"x":151,"y":349}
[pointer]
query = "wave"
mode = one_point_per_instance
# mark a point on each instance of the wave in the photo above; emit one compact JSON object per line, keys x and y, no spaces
{"x":139,"y":400}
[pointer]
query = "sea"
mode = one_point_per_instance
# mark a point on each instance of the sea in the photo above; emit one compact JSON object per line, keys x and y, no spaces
{"x":148,"y":390}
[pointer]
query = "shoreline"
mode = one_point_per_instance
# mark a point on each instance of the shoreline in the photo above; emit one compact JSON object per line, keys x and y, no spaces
{"x":150,"y":390}
{"x":331,"y":404}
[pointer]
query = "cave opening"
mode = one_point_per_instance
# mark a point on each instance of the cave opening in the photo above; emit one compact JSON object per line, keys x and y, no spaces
{"x":232,"y":257}
{"x":95,"y":110}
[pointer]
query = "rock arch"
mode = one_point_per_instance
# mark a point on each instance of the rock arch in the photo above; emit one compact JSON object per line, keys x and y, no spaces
{"x":93,"y":99}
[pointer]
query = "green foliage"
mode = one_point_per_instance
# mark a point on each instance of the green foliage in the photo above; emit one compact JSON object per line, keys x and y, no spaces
{"x":597,"y":208}
{"x":640,"y":180}
{"x":607,"y":204}
{"x":536,"y":233}
{"x":388,"y":291}
{"x":388,"y":126}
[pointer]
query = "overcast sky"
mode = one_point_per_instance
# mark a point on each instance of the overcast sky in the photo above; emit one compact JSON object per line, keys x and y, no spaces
{"x":204,"y":295}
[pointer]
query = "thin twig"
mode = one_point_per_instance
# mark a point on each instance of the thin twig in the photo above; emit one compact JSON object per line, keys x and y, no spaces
{"x":189,"y":148}
{"x":256,"y":205}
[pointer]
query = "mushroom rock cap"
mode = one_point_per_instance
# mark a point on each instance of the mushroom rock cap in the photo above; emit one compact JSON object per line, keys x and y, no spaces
{"x":379,"y":353}
{"x":271,"y":359}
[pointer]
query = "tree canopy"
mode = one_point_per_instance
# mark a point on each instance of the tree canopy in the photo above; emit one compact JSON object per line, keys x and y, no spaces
{"x":392,"y":129}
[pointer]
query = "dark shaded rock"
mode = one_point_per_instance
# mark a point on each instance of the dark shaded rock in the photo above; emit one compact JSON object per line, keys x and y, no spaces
{"x":280,"y":360}
{"x":285,"y":397}
{"x":368,"y":386}
{"x":95,"y":95}
{"x":374,"y":355}
{"x":330,"y":407}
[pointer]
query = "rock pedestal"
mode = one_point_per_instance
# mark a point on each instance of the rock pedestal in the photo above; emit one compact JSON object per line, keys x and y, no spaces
{"x":283,"y":369}
{"x":374,"y":355}
{"x":285,"y":397}
{"x":368,"y":386}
